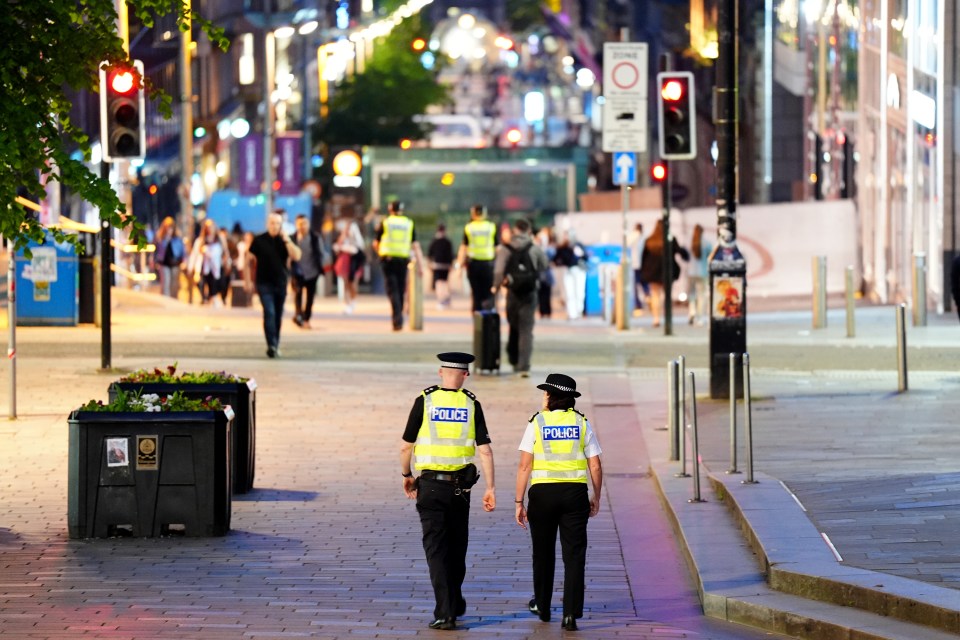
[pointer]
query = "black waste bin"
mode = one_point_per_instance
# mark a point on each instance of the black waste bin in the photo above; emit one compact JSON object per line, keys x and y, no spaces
{"x":86,"y":298}
{"x":149,"y":474}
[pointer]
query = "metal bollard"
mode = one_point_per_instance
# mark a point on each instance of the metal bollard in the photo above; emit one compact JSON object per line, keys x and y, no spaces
{"x":733,"y":414}
{"x":695,"y":454}
{"x":673,"y":388}
{"x":902,"y":347}
{"x":851,"y":319}
{"x":748,"y":418}
{"x":682,"y":416}
{"x":415,"y":291}
{"x":919,"y":296}
{"x":819,"y":292}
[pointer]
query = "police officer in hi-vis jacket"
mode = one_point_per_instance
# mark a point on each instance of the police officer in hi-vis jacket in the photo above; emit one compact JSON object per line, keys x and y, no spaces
{"x":479,"y":246}
{"x":445,"y":430}
{"x":395,"y":242}
{"x":559,"y":452}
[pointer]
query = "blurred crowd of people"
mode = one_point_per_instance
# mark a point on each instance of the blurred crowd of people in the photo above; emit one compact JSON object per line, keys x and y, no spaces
{"x":209,"y":267}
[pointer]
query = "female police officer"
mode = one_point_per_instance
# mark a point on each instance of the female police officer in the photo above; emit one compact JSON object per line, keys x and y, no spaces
{"x":557,"y":454}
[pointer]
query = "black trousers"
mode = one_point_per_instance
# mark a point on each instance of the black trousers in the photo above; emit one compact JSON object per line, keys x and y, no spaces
{"x":395,"y":282}
{"x":480,"y":276}
{"x":445,"y":518}
{"x":563,"y":507}
{"x":304,"y":291}
{"x":521,"y":316}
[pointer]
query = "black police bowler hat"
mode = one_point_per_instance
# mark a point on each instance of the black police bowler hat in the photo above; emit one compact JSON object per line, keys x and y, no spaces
{"x":561,"y":385}
{"x":455,"y":360}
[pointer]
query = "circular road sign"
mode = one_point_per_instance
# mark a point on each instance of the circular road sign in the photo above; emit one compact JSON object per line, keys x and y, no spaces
{"x":625,"y":75}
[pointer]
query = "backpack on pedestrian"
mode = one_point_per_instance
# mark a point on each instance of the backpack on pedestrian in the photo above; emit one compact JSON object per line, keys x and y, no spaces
{"x":520,"y":275}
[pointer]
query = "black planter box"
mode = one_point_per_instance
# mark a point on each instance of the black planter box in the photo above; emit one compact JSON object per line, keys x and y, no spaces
{"x":242,"y":396}
{"x":149,"y":474}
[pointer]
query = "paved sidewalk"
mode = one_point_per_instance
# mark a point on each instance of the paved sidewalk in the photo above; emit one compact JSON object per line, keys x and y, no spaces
{"x":327,"y":547}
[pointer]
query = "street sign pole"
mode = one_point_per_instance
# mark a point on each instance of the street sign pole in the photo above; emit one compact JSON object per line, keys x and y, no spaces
{"x":624,"y":130}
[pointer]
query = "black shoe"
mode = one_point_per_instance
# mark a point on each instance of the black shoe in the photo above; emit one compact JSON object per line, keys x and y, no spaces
{"x":569,"y":623}
{"x":271,"y":352}
{"x":544,"y":615}
{"x":444,"y":624}
{"x":297,"y":320}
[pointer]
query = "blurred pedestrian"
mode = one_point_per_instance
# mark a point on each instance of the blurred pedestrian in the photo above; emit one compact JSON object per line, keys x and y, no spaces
{"x":350,"y":260}
{"x":955,"y":281}
{"x":559,"y":452}
{"x":440,"y":254}
{"x":697,"y":271}
{"x":445,"y":430}
{"x":517,"y":267}
{"x":209,"y":257}
{"x":544,"y":240}
{"x":395,"y":241}
{"x":267,"y":260}
{"x":305,"y":271}
{"x":476,"y":253}
{"x":641,"y":290}
{"x":651,"y":268}
{"x":572,"y":257}
{"x":168,"y":257}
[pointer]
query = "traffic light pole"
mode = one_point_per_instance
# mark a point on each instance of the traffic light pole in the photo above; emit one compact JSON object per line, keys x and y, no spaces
{"x":667,"y":253}
{"x":728,"y":268}
{"x":106,"y":260}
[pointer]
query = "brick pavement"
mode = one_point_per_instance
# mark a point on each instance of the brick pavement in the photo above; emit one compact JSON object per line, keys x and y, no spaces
{"x":326,"y":548}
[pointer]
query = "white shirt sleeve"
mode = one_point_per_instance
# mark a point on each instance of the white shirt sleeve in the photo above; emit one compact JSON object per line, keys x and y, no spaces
{"x":526,"y":443}
{"x":591,"y":447}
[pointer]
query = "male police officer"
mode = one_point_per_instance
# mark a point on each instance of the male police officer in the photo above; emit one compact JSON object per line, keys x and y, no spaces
{"x":445,"y":429}
{"x":479,"y":245}
{"x":394,"y":241}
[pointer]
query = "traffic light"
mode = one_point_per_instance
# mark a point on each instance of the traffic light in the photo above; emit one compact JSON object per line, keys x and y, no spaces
{"x":418,"y":44}
{"x":677,"y":115}
{"x":122,"y":135}
{"x":658,"y":172}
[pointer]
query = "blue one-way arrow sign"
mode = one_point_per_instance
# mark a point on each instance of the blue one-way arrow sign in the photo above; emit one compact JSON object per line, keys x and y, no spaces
{"x":624,"y":168}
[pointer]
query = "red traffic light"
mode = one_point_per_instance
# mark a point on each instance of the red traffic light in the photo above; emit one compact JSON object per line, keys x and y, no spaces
{"x":514,"y":136}
{"x":122,"y":81}
{"x":658,"y":172}
{"x":122,"y":130}
{"x":672,"y":90}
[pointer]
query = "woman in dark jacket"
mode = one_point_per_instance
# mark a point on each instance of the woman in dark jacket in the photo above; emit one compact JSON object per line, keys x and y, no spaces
{"x":651,"y":268}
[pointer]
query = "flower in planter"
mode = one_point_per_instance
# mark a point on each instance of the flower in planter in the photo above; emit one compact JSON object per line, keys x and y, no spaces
{"x":151,"y":402}
{"x":169,"y":375}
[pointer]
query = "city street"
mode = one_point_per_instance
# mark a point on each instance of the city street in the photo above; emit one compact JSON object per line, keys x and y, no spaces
{"x":327,"y":546}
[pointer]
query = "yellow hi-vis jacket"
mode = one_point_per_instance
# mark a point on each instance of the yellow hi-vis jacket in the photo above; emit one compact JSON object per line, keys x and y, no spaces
{"x":447,"y":437}
{"x":558,"y":447}
{"x":397,"y":237}
{"x":481,"y":235}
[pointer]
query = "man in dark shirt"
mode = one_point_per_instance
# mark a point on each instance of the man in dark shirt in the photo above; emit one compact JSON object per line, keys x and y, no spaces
{"x":269,"y":256}
{"x":445,"y":428}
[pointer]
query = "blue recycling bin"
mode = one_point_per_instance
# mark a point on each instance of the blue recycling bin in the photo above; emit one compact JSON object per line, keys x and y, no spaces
{"x":48,"y":285}
{"x":597,"y":255}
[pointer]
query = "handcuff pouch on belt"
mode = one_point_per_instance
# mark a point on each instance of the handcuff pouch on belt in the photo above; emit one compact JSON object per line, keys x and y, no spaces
{"x":466,"y":478}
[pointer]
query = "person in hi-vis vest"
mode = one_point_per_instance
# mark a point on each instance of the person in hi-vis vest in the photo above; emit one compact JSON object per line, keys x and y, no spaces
{"x":396,"y":242}
{"x":559,"y":457}
{"x":444,"y":432}
{"x":477,"y":252}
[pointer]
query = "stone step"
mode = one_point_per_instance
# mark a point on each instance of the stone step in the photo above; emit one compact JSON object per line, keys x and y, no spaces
{"x":732,"y":567}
